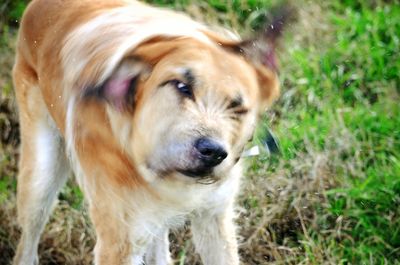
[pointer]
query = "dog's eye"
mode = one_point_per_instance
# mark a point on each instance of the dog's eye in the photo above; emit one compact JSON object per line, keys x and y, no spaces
{"x":241,"y":111}
{"x":182,"y":88}
{"x":237,"y":107}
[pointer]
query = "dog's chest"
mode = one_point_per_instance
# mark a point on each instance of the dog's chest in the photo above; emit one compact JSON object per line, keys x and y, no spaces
{"x":175,"y":202}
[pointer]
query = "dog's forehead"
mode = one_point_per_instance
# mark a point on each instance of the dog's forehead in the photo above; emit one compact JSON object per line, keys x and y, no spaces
{"x":216,"y":69}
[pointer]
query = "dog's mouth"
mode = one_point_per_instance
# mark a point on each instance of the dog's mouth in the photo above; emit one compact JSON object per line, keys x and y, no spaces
{"x":196,"y":172}
{"x":193,"y":159}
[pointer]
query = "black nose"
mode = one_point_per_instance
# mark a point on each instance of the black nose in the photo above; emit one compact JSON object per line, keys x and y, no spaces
{"x":211,"y":152}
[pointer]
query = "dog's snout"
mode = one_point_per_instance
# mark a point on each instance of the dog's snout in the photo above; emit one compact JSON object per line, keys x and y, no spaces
{"x":211,"y":152}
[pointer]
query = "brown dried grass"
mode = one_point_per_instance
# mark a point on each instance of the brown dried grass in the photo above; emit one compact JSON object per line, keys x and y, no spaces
{"x":273,"y":209}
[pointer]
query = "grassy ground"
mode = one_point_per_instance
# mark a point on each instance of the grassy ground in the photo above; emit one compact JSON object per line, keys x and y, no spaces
{"x":332,"y":196}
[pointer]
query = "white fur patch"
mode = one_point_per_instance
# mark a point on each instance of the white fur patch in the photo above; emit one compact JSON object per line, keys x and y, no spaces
{"x":158,"y":251}
{"x":50,"y":162}
{"x":69,"y":123}
{"x":46,"y":154}
{"x":137,"y":260}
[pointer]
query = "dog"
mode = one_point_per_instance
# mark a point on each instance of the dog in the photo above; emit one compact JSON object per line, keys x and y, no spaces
{"x":150,"y":110}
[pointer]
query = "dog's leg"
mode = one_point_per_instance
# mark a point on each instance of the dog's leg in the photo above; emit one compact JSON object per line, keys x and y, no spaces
{"x":123,"y":237}
{"x":158,"y":251}
{"x":43,"y":167}
{"x":118,"y":243}
{"x":215,"y":238}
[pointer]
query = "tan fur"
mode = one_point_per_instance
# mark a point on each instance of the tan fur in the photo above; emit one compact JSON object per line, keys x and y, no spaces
{"x":126,"y":159}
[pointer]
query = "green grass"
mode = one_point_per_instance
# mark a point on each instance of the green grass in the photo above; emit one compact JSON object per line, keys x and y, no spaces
{"x":333,"y":194}
{"x":342,"y":99}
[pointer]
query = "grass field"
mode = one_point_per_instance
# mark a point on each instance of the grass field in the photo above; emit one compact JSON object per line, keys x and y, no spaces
{"x":333,"y":194}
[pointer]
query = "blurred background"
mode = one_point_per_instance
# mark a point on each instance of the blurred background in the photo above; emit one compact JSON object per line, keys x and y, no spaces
{"x":332,"y":195}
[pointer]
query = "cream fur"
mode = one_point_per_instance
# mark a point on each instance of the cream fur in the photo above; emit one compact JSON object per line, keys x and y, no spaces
{"x":130,"y":161}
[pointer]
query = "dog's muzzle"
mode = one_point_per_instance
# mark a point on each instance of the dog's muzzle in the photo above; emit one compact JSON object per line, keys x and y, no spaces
{"x":207,"y":154}
{"x":210,"y":152}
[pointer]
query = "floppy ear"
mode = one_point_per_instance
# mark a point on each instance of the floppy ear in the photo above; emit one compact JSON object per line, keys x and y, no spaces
{"x":119,"y":90}
{"x":260,"y":52}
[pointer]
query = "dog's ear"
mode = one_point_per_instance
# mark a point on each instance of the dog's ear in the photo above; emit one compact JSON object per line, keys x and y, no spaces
{"x":121,"y":87}
{"x":119,"y":90}
{"x":260,"y":52}
{"x":269,"y":85}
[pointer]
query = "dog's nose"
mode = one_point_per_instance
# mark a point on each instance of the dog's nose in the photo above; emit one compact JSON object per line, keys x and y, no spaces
{"x":211,"y":152}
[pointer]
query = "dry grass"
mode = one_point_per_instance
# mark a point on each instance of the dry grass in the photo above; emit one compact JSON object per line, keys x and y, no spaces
{"x":282,"y":215}
{"x":272,"y":208}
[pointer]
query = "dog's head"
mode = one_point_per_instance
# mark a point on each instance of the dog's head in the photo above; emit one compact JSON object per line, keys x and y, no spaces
{"x":191,"y":106}
{"x":184,"y":107}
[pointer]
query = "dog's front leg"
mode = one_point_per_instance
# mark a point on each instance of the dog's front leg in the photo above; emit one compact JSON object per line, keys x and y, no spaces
{"x":158,"y":251}
{"x":214,"y":237}
{"x":114,"y":244}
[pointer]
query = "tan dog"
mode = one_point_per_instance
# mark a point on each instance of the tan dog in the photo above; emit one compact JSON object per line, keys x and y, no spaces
{"x":150,"y":110}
